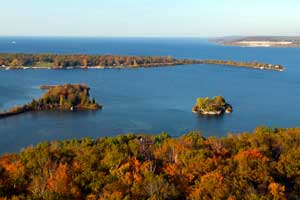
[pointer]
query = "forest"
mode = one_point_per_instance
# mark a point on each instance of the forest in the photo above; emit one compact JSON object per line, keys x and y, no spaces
{"x":264,"y":164}
{"x":84,"y":61}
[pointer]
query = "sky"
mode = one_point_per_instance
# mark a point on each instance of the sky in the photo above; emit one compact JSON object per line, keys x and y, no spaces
{"x":149,"y":18}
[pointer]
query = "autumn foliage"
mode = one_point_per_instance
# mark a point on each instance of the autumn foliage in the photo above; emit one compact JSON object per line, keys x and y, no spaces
{"x":62,"y":61}
{"x":262,"y":165}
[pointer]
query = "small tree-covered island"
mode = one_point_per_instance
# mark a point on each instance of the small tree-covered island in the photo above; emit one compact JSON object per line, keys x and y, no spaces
{"x":59,"y":97}
{"x":214,"y":106}
{"x":78,"y":61}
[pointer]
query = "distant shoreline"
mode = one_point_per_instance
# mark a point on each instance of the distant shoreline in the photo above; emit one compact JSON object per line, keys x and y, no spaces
{"x":265,"y":44}
{"x":260,"y":41}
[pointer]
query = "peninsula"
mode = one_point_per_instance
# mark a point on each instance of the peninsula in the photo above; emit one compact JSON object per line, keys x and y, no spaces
{"x":259,"y":41}
{"x":214,"y":106}
{"x":62,"y":61}
{"x":59,"y":97}
{"x":59,"y":61}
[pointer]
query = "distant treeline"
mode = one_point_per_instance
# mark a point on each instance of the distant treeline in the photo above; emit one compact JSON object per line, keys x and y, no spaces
{"x":76,"y":60}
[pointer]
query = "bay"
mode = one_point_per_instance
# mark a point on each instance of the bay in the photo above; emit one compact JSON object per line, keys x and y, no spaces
{"x":150,"y":100}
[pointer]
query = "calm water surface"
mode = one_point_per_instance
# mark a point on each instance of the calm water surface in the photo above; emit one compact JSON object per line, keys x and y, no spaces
{"x":150,"y":100}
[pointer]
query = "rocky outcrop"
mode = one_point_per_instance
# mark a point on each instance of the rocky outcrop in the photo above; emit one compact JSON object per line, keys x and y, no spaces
{"x":215,"y":106}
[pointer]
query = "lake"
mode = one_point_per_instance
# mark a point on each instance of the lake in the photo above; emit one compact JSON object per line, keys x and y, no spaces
{"x":151,"y":100}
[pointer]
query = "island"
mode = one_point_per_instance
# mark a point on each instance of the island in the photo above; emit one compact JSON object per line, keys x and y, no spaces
{"x":212,"y":106}
{"x":59,"y":97}
{"x":77,"y":61}
{"x":259,"y":41}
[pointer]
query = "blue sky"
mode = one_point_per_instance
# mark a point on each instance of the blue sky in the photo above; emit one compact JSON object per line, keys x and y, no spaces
{"x":149,"y":18}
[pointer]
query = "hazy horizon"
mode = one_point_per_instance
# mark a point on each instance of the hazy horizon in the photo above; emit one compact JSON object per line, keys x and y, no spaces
{"x":146,"y":37}
{"x":145,"y":18}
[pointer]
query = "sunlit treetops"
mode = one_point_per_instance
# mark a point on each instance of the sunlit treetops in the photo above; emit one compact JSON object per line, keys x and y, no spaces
{"x":261,"y":165}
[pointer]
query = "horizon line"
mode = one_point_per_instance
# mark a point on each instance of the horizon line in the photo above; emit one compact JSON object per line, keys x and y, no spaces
{"x":106,"y":36}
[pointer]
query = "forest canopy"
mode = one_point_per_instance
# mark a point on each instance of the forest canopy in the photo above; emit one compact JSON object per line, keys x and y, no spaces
{"x":262,"y":165}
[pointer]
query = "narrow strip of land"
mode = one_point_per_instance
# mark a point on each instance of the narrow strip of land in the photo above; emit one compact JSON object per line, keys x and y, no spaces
{"x":59,"y":61}
{"x":254,"y":64}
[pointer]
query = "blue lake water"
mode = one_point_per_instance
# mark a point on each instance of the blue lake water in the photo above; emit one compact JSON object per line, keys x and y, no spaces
{"x":150,"y":100}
